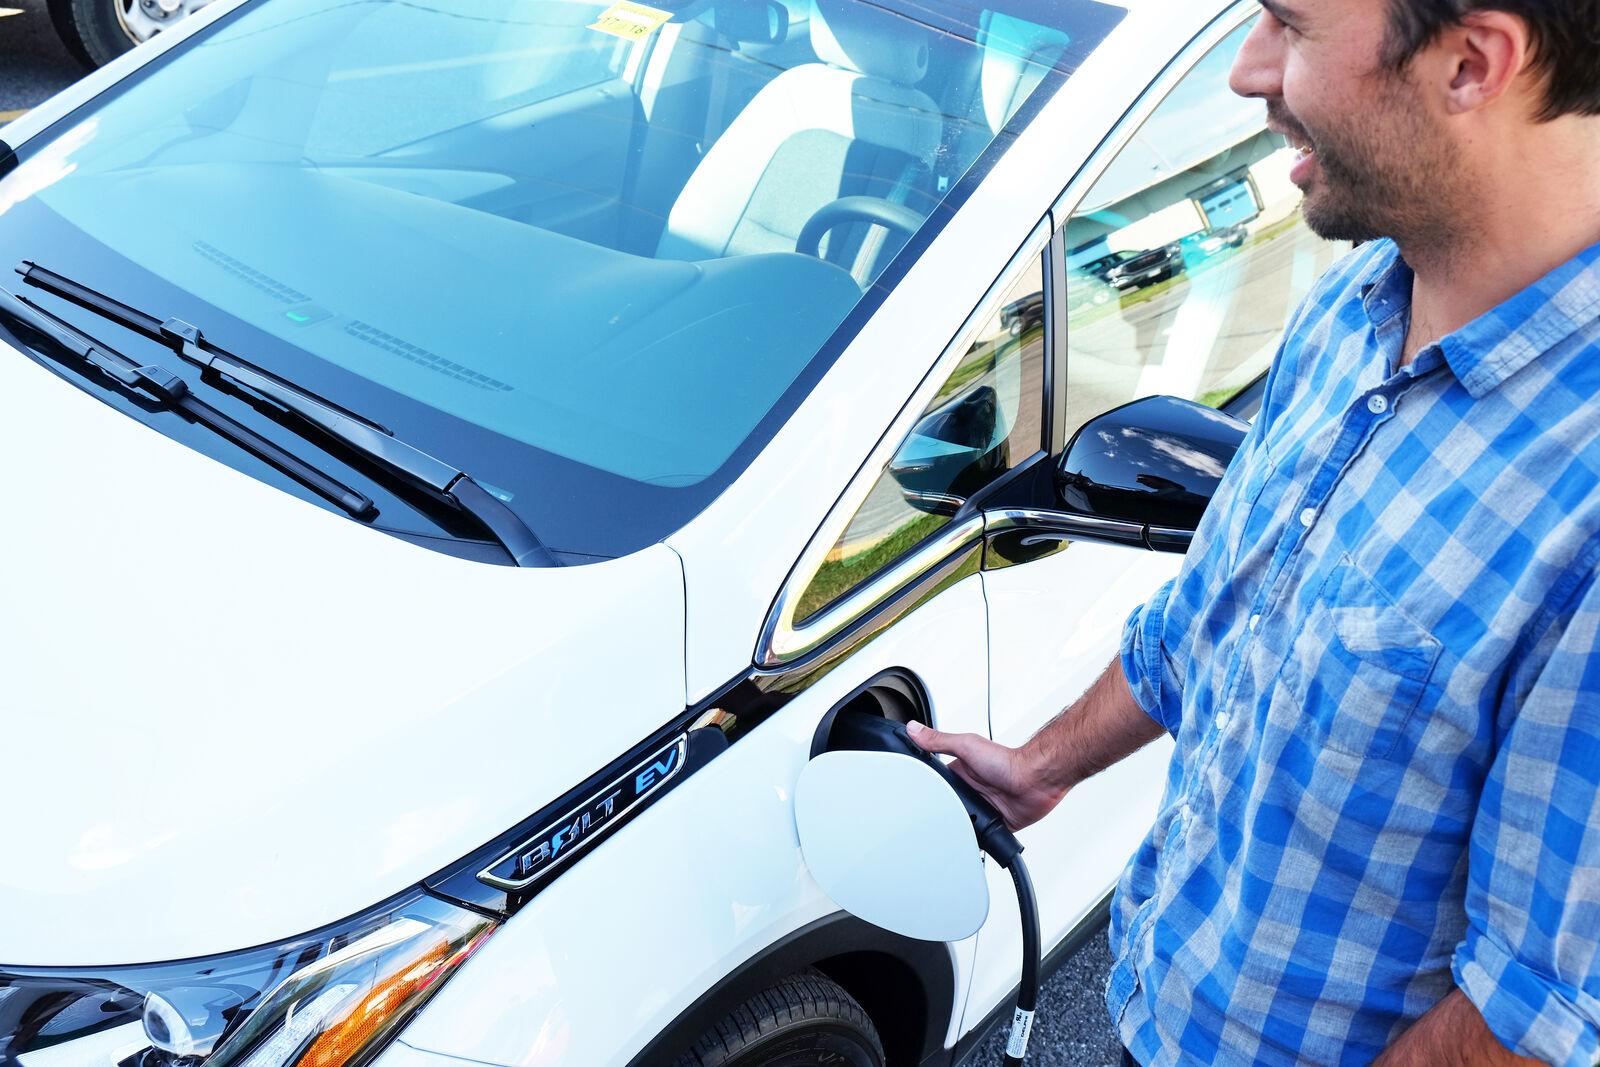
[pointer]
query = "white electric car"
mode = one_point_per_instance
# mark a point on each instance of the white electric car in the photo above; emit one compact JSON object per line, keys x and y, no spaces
{"x":460,"y":451}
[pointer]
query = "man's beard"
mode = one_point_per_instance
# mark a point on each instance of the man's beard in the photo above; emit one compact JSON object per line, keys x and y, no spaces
{"x":1387,"y":173}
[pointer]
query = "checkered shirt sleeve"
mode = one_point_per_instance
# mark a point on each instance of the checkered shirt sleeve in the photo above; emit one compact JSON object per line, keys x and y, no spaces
{"x":1531,"y":958}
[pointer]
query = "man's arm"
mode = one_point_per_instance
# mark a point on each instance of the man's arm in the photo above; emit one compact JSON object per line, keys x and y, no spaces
{"x":1451,"y":1034}
{"x":1529,"y":960}
{"x":1103,"y":726}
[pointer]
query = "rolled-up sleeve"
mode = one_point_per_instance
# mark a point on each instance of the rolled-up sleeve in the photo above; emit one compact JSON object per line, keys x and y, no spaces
{"x":1155,"y":684}
{"x":1530,"y":960}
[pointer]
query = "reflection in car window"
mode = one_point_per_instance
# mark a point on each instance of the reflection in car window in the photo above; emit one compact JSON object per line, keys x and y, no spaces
{"x":1188,"y":256}
{"x":986,"y":418}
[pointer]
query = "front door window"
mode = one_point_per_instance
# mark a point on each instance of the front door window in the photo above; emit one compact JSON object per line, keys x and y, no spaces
{"x":1189,"y":254}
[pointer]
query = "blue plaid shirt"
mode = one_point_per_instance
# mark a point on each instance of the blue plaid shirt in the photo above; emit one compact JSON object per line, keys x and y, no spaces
{"x":1380,"y":665}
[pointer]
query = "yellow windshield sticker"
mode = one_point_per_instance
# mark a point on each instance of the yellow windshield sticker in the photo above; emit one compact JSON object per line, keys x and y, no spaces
{"x":630,"y":21}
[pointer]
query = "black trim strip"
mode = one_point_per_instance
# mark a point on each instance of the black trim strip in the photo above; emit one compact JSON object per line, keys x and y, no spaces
{"x":462,"y":881}
{"x":541,"y":855}
{"x":8,"y":159}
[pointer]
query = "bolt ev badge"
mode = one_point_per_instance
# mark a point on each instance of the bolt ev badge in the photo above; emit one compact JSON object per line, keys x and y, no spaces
{"x":580,"y":827}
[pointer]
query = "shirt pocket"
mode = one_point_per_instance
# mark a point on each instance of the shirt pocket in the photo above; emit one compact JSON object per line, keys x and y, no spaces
{"x":1360,"y":666}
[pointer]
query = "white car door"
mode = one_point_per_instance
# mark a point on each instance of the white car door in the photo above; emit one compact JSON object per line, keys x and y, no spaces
{"x":1194,"y":180}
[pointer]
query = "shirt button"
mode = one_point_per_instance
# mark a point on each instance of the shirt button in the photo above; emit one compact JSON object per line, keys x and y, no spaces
{"x":1307,"y":517}
{"x":1377,"y":404}
{"x":1255,"y":620}
{"x":1186,"y":811}
{"x":1223,"y":720}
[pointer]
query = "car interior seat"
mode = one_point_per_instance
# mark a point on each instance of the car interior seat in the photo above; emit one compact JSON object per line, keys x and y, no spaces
{"x":850,"y":125}
{"x":1014,"y":57}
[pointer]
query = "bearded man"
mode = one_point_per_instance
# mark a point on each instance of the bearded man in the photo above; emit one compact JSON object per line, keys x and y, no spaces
{"x":1381,"y":834}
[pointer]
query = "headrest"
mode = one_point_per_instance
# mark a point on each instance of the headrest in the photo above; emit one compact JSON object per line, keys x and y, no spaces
{"x":1016,"y":56}
{"x":869,"y":40}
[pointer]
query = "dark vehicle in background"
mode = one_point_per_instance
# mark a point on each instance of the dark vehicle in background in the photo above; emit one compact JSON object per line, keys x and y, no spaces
{"x":1143,"y":269}
{"x":1023,"y":315}
{"x":1101,"y":268}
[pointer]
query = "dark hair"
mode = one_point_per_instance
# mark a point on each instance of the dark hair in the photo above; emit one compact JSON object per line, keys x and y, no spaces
{"x":1566,"y":41}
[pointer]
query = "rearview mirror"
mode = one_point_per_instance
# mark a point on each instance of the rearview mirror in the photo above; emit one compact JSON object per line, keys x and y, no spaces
{"x":890,"y":843}
{"x":751,"y":21}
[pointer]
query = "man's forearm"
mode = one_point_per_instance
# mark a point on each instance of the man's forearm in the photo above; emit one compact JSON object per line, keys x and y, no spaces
{"x":1451,"y":1034}
{"x":1104,"y":726}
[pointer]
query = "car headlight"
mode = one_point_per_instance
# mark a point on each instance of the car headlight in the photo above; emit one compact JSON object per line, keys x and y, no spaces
{"x":329,"y":999}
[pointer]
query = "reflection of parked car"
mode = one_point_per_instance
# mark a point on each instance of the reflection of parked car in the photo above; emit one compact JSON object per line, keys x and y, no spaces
{"x":1021,"y":316}
{"x":1101,"y":268}
{"x":1147,"y":268}
{"x":1204,"y":245}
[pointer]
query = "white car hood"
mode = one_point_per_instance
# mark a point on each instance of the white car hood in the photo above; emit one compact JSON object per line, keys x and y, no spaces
{"x":230,"y":716}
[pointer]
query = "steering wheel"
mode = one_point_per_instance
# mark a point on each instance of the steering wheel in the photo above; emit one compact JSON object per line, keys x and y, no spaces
{"x":855,"y":209}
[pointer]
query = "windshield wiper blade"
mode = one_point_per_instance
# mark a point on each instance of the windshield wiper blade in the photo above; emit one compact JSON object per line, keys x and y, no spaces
{"x":172,"y":391}
{"x":359,"y":435}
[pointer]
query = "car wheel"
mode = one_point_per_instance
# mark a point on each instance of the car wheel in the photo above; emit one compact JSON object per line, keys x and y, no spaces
{"x":804,"y":1020}
{"x":98,"y":31}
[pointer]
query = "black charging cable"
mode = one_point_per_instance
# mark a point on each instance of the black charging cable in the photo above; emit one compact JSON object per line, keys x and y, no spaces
{"x":1028,"y":993}
{"x":860,"y":731}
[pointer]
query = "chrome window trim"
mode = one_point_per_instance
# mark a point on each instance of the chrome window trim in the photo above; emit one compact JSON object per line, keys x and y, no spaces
{"x":783,"y":643}
{"x":1154,"y":95}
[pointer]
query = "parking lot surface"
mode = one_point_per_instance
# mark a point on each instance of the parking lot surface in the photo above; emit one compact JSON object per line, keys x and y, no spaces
{"x":33,"y":64}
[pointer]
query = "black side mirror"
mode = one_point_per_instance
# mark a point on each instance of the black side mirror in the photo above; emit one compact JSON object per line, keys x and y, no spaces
{"x":952,"y":453}
{"x":1142,"y":474}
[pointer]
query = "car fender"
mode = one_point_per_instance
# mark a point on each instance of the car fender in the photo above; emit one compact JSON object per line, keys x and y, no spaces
{"x":665,"y":923}
{"x":673,"y":915}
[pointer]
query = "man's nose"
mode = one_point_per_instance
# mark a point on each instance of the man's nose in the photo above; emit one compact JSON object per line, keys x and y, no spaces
{"x":1258,"y":68}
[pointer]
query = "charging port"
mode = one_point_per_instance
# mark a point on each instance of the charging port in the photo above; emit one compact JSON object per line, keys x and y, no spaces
{"x":895,"y":695}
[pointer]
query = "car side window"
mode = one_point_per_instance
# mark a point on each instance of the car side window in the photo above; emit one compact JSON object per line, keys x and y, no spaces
{"x":986,"y":419}
{"x":1189,"y":253}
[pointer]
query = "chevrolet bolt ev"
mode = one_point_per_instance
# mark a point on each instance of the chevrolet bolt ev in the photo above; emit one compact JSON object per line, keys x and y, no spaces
{"x":461,"y":450}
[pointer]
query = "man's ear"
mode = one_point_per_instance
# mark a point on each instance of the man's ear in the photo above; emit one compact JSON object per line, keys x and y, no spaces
{"x":1483,"y":58}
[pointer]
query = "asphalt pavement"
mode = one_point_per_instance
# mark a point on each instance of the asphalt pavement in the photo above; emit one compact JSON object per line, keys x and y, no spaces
{"x":1070,"y":1030}
{"x":33,"y":64}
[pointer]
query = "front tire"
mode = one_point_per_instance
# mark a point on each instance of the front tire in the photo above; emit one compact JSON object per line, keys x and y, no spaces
{"x":804,"y":1020}
{"x":91,"y":30}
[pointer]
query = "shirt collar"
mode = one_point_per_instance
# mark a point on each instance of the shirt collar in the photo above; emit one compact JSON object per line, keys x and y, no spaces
{"x":1500,"y":342}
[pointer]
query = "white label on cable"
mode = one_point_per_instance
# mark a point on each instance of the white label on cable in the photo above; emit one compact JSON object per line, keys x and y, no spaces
{"x":1021,"y":1028}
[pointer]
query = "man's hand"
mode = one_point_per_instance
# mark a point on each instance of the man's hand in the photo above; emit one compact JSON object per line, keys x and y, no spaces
{"x":1026,"y":783}
{"x":1002,"y":775}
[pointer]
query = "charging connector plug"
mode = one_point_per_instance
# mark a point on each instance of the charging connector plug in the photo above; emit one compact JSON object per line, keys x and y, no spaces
{"x":865,"y":732}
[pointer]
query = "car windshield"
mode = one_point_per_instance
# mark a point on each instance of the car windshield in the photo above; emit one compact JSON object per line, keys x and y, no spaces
{"x":591,"y":252}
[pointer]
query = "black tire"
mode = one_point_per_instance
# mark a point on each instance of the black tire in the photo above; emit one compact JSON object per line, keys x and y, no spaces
{"x":91,"y":30}
{"x":804,"y":1020}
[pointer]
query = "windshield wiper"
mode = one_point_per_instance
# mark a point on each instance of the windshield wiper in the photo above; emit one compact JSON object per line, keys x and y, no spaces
{"x":173,"y":392}
{"x":361,"y":436}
